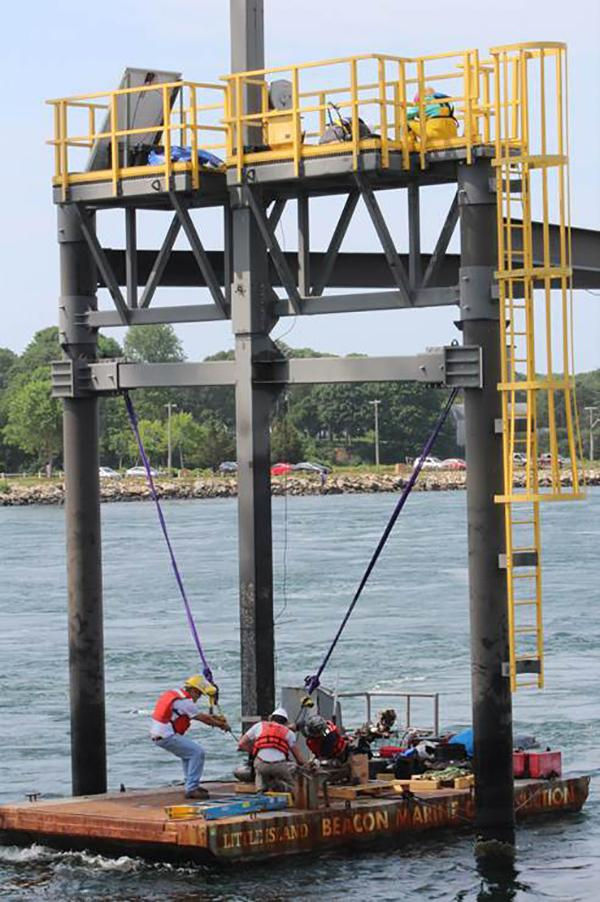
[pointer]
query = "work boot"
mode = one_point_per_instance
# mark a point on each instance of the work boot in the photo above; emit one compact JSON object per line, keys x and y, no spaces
{"x":197,"y":793}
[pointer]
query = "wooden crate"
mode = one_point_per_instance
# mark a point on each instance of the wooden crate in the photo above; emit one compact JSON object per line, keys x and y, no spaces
{"x":464,"y":782}
{"x":423,"y":785}
{"x":245,"y":788}
{"x":373,"y":788}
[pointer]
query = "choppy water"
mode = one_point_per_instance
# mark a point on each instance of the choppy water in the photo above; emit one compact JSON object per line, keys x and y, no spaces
{"x":409,"y":631}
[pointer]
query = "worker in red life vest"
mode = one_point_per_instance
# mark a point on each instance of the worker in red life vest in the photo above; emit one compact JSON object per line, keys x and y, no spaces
{"x":273,"y":745}
{"x":171,"y":718}
{"x":324,"y":738}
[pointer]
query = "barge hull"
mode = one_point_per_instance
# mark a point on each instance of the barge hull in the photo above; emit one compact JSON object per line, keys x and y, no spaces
{"x":135,"y":822}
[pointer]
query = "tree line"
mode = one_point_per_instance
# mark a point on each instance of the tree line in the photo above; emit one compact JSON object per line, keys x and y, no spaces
{"x":331,"y":423}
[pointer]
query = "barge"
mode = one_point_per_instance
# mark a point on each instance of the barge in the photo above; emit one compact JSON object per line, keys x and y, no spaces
{"x":138,"y":822}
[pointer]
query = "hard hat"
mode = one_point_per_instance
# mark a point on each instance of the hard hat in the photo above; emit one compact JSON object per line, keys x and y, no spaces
{"x":198,"y":682}
{"x":315,"y":725}
{"x":280,"y":712}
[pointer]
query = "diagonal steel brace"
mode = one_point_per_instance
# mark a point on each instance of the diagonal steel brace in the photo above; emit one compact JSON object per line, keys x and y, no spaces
{"x":387,"y":243}
{"x":442,"y":244}
{"x":199,"y":253}
{"x":335,"y":243}
{"x":279,"y":261}
{"x":162,"y":258}
{"x":102,"y":263}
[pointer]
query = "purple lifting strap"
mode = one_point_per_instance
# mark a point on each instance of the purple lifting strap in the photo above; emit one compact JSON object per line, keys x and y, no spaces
{"x":313,"y":682}
{"x":207,"y":673}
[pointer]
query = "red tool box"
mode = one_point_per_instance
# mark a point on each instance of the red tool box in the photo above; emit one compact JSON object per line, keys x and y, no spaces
{"x":544,"y":764}
{"x":537,"y":765}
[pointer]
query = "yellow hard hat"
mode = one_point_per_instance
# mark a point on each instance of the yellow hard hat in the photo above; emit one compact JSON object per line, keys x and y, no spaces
{"x":198,"y":682}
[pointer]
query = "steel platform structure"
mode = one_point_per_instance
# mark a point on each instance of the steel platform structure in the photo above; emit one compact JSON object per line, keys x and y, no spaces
{"x":252,"y":189}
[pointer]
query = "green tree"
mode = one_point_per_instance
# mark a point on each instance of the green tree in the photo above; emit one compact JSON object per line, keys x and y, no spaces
{"x":215,"y":444}
{"x":287,"y":443}
{"x":34,"y":418}
{"x":154,"y":438}
{"x":153,"y":344}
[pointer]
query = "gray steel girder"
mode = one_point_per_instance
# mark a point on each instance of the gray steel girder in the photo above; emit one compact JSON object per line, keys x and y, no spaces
{"x":450,"y":366}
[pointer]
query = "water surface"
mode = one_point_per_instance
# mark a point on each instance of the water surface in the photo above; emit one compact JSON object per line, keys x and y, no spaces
{"x":410,"y":631}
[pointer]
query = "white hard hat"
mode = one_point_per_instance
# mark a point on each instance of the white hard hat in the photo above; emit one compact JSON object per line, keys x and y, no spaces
{"x":280,"y":712}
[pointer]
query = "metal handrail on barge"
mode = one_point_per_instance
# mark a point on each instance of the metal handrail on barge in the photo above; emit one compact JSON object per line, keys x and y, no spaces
{"x":407,"y":696}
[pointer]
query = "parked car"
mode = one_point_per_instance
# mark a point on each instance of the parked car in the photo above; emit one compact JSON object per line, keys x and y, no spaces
{"x":228,"y":466}
{"x":430,"y":463}
{"x":454,"y":463}
{"x":140,"y":471}
{"x":519,"y":459}
{"x":545,"y":460}
{"x":108,"y":473}
{"x":280,"y":469}
{"x":308,"y":467}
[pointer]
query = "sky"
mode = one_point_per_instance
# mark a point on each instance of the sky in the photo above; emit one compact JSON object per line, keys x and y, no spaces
{"x":67,"y":47}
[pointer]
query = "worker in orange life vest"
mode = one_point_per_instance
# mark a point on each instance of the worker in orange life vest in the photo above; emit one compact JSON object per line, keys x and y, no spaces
{"x":273,"y":745}
{"x":171,"y":718}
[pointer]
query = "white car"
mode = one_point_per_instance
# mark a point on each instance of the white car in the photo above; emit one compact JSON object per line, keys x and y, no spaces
{"x":140,"y":471}
{"x":108,"y":473}
{"x":429,"y":463}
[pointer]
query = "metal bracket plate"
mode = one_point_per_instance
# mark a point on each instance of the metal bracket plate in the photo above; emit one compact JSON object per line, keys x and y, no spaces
{"x":71,"y":379}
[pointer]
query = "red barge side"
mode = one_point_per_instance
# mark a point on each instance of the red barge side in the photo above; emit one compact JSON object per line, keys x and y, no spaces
{"x":136,"y":823}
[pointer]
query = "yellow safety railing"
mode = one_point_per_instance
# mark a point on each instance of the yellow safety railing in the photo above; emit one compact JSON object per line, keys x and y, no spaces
{"x":192,"y":117}
{"x":537,"y":387}
{"x":387,"y":93}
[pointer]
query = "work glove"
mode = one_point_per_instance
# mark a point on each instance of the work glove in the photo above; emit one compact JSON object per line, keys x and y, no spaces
{"x":307,"y":702}
{"x":221,"y":722}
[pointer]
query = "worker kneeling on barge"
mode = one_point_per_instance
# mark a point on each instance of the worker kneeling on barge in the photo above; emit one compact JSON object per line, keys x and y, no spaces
{"x":172,"y":717}
{"x":272,"y":744}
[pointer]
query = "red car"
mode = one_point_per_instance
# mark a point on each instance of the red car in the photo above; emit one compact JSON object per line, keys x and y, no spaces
{"x":454,"y":463}
{"x":281,"y":469}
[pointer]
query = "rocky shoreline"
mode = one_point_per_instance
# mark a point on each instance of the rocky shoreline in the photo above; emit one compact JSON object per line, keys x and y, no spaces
{"x":16,"y":494}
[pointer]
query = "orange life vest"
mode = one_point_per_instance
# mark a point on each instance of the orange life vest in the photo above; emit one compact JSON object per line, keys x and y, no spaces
{"x":163,"y":710}
{"x":272,"y":736}
{"x":331,"y":745}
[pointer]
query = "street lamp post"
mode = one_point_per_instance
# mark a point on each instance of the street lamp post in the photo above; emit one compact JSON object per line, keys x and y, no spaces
{"x":593,"y":424}
{"x":170,"y":405}
{"x":376,"y":404}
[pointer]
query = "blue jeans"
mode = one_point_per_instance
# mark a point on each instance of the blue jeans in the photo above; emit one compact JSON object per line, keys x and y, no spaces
{"x":192,"y":757}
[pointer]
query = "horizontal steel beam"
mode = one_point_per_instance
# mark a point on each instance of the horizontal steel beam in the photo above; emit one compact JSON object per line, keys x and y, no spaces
{"x":452,"y":365}
{"x":313,"y":306}
{"x":117,"y":375}
{"x":356,"y":270}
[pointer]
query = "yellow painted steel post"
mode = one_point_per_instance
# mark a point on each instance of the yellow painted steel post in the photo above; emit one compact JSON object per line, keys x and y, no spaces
{"x":322,"y":111}
{"x":385,"y":151}
{"x":404,"y":131}
{"x":354,"y":100}
{"x":422,"y":118}
{"x":238,"y":125}
{"x":114,"y":147}
{"x":167,"y":136}
{"x":194,"y":129}
{"x":297,"y":136}
{"x":64,"y":158}
{"x":468,"y":110}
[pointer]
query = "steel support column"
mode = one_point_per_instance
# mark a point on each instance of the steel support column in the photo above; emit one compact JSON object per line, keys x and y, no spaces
{"x":82,"y":516}
{"x":251,"y":303}
{"x":491,"y":698}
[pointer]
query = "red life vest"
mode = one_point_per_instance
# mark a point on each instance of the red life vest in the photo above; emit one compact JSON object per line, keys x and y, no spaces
{"x":272,"y":736}
{"x":331,"y":745}
{"x":163,"y":710}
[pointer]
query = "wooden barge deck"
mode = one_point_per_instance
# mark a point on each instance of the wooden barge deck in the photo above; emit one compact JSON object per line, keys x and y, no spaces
{"x":136,"y":823}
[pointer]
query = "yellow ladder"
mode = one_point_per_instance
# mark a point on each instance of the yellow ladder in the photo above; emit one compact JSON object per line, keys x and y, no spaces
{"x":531,"y":170}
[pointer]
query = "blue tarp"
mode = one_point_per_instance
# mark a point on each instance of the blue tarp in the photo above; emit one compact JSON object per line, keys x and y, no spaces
{"x":183,"y":155}
{"x":466,"y":739}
